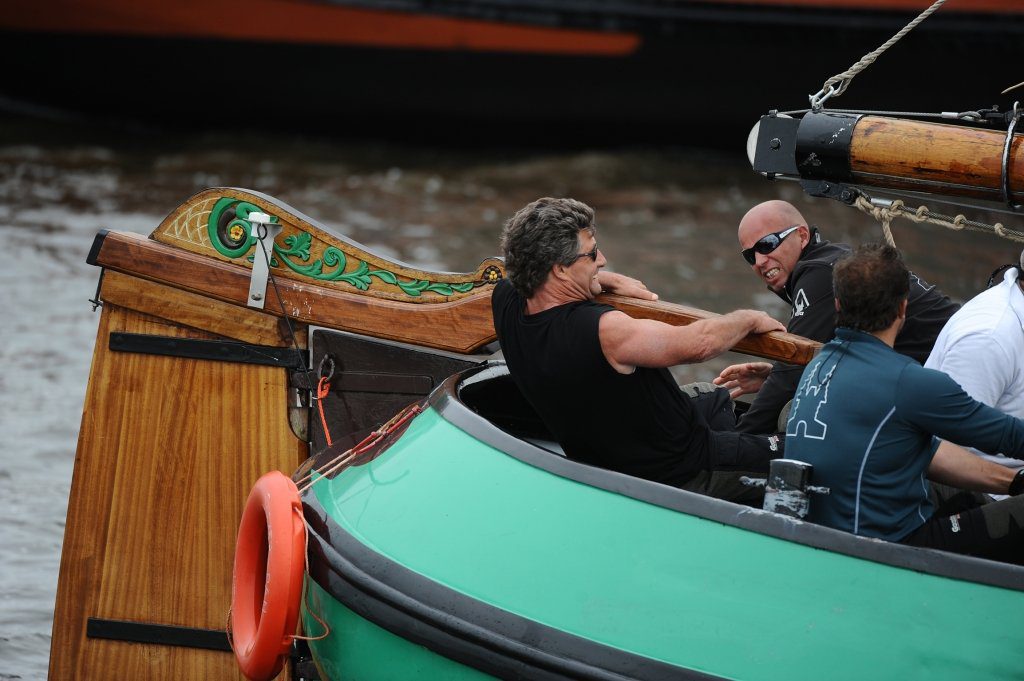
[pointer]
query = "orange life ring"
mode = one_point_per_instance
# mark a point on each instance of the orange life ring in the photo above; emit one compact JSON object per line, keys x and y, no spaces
{"x":266,"y":585}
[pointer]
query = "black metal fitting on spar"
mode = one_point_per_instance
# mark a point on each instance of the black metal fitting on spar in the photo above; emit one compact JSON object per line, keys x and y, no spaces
{"x":814,"y":149}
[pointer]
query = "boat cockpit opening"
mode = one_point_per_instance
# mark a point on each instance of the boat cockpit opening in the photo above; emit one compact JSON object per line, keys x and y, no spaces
{"x":493,"y":395}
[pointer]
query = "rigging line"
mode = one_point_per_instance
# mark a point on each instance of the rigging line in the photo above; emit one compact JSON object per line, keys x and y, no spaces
{"x":326,"y":627}
{"x":974,"y":116}
{"x":287,"y":319}
{"x":886,"y":211}
{"x":844,"y":79}
{"x":338,"y":463}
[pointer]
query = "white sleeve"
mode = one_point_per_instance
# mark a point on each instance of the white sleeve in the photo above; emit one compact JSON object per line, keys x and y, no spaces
{"x":980,"y":365}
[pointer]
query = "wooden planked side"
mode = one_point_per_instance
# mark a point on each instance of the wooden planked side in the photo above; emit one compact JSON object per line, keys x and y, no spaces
{"x":167,"y":453}
{"x":200,"y":312}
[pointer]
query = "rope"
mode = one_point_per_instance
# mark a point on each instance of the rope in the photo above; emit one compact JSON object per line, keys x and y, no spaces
{"x":843,"y":79}
{"x":1012,"y":87}
{"x":230,"y":634}
{"x":973,"y":116}
{"x":284,"y":313}
{"x":887,"y":211}
{"x":322,"y":388}
{"x":341,"y":461}
{"x":884,"y":214}
{"x":326,"y":627}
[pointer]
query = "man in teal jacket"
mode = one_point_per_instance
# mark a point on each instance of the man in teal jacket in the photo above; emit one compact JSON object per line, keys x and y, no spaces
{"x":869,"y":420}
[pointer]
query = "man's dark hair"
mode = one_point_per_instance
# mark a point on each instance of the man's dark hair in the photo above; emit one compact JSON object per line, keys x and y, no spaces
{"x":870,"y":284}
{"x":541,"y":235}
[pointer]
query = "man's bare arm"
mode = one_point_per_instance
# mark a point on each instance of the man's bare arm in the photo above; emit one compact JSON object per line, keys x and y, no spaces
{"x":628,"y":343}
{"x":955,"y":466}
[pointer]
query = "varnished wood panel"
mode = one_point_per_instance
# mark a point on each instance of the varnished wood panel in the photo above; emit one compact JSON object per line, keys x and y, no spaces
{"x":200,"y":312}
{"x":461,"y":325}
{"x":167,"y":453}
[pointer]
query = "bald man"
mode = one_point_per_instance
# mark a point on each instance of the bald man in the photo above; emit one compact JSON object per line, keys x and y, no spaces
{"x":795,"y":263}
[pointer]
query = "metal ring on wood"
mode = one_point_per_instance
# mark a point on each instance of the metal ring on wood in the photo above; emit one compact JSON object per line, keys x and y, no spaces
{"x":1006,"y":158}
{"x":326,"y":361}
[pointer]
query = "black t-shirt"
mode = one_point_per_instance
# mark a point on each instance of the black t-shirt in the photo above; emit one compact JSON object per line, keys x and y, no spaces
{"x":809,"y":290}
{"x":640,"y":424}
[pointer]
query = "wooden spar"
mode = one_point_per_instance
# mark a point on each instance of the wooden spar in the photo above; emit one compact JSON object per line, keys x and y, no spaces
{"x":957,"y":160}
{"x":876,"y":151}
{"x":784,"y":347}
{"x":463,"y":325}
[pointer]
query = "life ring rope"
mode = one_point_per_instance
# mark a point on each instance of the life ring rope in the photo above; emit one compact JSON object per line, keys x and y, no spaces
{"x":326,"y":627}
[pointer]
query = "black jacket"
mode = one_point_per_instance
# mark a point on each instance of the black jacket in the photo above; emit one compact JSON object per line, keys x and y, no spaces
{"x":809,"y":291}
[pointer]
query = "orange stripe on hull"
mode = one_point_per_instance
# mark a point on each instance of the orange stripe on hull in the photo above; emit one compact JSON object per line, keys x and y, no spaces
{"x":974,"y":6}
{"x":297,"y":21}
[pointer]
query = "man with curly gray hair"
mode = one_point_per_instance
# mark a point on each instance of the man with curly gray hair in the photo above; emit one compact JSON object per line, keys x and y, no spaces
{"x":598,"y":378}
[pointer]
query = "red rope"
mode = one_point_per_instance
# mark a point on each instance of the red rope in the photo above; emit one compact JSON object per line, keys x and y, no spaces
{"x":374,"y":438}
{"x":322,"y":388}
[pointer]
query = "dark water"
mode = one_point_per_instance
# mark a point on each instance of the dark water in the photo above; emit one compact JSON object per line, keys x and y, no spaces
{"x":667,"y":215}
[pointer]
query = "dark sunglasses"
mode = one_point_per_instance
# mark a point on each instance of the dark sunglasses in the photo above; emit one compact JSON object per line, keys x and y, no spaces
{"x":767,"y":243}
{"x":592,"y":254}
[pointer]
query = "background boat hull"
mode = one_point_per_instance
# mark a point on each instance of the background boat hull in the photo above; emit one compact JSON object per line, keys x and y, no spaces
{"x":654,"y":79}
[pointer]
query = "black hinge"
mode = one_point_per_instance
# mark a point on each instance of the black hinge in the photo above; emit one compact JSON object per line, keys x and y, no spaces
{"x":161,"y":634}
{"x":219,"y":350}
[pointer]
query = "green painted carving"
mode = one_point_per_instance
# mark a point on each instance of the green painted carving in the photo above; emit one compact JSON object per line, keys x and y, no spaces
{"x":417,"y":286}
{"x":230,"y":233}
{"x":229,"y":228}
{"x":298,"y":246}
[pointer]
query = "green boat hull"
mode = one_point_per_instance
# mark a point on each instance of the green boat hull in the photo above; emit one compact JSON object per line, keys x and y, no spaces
{"x":536,"y":566}
{"x":359,"y":649}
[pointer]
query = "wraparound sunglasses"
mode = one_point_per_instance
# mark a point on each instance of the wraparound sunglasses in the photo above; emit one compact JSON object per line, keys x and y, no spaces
{"x":767,"y":243}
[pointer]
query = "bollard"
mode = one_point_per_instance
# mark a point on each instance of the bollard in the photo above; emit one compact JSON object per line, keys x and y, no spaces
{"x":787,"y":487}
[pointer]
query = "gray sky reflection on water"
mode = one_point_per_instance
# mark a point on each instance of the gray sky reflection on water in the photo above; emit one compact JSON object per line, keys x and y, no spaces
{"x":667,"y":216}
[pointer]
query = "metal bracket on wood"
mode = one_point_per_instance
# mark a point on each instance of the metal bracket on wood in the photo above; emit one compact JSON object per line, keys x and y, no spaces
{"x":830,"y":190}
{"x":265,"y":232}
